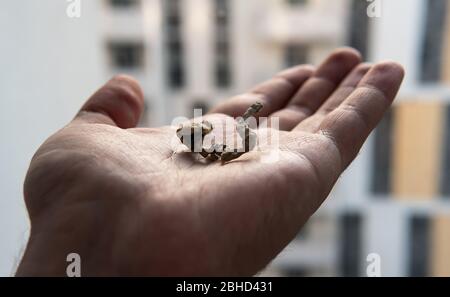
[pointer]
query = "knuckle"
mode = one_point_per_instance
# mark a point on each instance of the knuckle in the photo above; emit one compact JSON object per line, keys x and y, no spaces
{"x":346,"y":52}
{"x":127,"y":86}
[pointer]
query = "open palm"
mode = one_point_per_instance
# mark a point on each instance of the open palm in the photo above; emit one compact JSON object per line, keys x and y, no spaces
{"x":128,"y":205}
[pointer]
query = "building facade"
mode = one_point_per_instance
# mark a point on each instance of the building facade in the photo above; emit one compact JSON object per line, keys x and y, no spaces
{"x":393,"y":202}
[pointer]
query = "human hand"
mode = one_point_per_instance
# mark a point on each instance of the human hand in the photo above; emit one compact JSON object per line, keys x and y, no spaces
{"x":119,"y":197}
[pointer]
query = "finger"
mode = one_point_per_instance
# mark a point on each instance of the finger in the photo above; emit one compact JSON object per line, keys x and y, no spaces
{"x":350,"y":124}
{"x":119,"y":102}
{"x":318,"y":88}
{"x":273,"y":94}
{"x":349,"y":84}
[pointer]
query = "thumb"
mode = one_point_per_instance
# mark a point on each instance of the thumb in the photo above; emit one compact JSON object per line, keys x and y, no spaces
{"x":119,"y":102}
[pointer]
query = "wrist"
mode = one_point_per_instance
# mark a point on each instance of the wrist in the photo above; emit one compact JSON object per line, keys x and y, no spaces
{"x":85,"y":229}
{"x":47,"y":254}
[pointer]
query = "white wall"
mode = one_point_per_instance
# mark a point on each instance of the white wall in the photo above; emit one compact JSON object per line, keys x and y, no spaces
{"x":397,"y":35}
{"x":42,"y":85}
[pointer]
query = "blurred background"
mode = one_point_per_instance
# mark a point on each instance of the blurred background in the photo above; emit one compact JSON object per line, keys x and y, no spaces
{"x":394,"y":199}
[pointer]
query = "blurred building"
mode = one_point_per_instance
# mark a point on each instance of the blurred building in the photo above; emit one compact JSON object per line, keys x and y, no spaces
{"x":191,"y":53}
{"x":393,"y":201}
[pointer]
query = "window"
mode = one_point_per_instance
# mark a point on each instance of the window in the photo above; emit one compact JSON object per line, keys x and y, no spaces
{"x":295,"y":272}
{"x":200,"y":105}
{"x":175,"y":72}
{"x":297,"y":2}
{"x":432,"y":44}
{"x":359,"y":27}
{"x":126,"y":55}
{"x":296,"y":54}
{"x":144,"y":121}
{"x":445,"y":175}
{"x":222,"y":72}
{"x":419,"y":232}
{"x":382,"y":150}
{"x":123,"y":3}
{"x":350,"y":244}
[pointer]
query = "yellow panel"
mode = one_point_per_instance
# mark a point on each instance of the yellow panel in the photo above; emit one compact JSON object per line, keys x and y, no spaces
{"x":417,"y":149}
{"x":440,"y":265}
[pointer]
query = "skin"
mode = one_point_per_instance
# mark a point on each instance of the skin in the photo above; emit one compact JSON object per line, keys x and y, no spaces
{"x":121,"y":198}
